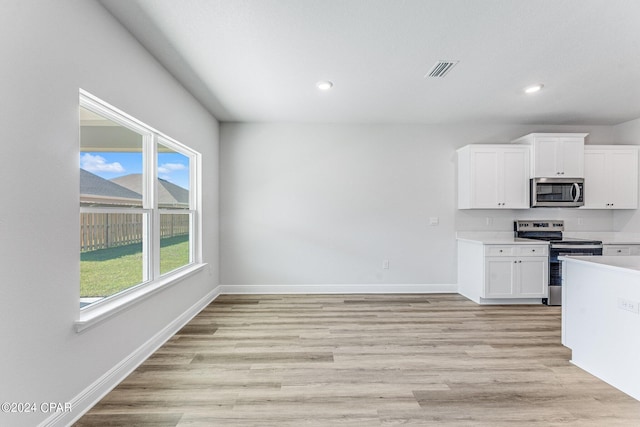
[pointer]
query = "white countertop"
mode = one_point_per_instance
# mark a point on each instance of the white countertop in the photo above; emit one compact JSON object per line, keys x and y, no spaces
{"x":618,"y":263}
{"x":496,"y":238}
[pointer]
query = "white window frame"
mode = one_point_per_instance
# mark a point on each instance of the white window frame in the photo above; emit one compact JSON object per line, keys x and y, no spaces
{"x":152,"y":281}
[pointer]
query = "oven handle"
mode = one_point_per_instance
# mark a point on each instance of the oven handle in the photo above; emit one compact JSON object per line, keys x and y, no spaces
{"x":576,"y":187}
{"x":576,"y":246}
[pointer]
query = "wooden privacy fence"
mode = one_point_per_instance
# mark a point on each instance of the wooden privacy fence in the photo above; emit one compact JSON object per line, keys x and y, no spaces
{"x":107,"y":230}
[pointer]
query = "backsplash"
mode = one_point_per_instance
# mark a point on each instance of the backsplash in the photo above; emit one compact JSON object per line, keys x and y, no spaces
{"x":575,"y":219}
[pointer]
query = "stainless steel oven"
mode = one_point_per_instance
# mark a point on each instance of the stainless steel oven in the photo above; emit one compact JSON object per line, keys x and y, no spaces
{"x":557,"y":192}
{"x":551,"y":231}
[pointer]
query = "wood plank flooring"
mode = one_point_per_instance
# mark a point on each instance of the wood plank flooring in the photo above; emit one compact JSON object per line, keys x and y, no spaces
{"x":364,"y":360}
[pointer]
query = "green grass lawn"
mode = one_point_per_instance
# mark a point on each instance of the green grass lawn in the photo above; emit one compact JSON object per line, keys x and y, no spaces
{"x":108,"y":271}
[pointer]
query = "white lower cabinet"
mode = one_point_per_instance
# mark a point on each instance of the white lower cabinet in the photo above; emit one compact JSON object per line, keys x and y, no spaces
{"x":513,"y":277}
{"x":489,"y":273}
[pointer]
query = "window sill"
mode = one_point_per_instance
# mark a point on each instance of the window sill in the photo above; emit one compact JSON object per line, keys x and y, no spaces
{"x":93,"y":315}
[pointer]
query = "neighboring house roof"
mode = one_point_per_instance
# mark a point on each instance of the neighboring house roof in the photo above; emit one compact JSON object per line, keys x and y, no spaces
{"x":169,"y":194}
{"x":94,"y":189}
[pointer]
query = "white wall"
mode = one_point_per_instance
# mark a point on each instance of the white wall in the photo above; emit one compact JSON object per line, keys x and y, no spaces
{"x":627,"y":133}
{"x":326,"y":204}
{"x":48,"y":51}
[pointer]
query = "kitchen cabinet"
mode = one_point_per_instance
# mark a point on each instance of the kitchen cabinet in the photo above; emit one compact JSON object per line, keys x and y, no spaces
{"x":555,"y":155}
{"x":495,"y":274}
{"x":524,"y":275}
{"x":611,"y":177}
{"x":621,"y":249}
{"x":493,"y":176}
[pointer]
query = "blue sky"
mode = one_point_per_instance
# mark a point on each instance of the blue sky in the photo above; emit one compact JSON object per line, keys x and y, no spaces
{"x":173,"y":167}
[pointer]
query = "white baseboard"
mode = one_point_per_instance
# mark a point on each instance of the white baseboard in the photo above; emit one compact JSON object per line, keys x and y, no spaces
{"x":509,"y":301}
{"x":96,"y":391}
{"x":341,"y":289}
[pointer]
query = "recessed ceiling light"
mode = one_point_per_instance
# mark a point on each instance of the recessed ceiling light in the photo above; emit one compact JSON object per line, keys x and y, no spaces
{"x":324,"y":85}
{"x":533,"y":88}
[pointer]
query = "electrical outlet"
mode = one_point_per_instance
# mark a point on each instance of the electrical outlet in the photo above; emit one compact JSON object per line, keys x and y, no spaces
{"x":434,"y":220}
{"x":385,"y":264}
{"x":628,"y":305}
{"x":489,"y":221}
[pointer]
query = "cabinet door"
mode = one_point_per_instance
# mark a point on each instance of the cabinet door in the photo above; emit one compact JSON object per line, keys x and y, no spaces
{"x":532,"y":277}
{"x":515,"y":179}
{"x":545,"y":160}
{"x":611,"y":178}
{"x":499,"y":277}
{"x":623,"y":173}
{"x":484,"y":173}
{"x":596,"y":180}
{"x":570,"y":157}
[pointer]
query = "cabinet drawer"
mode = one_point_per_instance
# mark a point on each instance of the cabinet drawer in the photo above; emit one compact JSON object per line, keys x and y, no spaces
{"x":538,"y":250}
{"x":497,"y":250}
{"x":616,"y":250}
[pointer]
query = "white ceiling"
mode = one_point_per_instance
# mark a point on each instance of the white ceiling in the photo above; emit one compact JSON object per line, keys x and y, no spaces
{"x":259,"y":60}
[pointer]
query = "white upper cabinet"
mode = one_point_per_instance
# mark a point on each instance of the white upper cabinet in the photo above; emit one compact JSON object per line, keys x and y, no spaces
{"x":493,"y":176}
{"x":556,"y":155}
{"x":611,"y":177}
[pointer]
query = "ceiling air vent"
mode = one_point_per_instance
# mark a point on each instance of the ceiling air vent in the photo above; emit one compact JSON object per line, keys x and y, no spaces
{"x":441,"y":68}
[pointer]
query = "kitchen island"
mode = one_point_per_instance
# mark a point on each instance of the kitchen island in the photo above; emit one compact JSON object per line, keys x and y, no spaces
{"x":601,"y":318}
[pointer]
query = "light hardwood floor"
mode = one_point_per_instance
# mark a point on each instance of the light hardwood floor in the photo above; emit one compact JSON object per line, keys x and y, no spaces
{"x":364,"y":360}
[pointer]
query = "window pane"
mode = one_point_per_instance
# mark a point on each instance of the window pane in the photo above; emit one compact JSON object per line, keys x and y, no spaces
{"x":112,"y":245}
{"x":110,"y":162}
{"x":111,"y":258}
{"x":174,"y":241}
{"x":173,"y":179}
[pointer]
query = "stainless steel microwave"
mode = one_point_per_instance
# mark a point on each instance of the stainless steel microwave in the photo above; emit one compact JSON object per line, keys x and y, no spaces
{"x":557,"y":192}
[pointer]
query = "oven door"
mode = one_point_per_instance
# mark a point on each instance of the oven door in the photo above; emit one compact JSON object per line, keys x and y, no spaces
{"x":557,"y":192}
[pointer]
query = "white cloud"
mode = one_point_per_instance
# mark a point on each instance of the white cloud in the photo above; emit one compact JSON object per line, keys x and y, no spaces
{"x":167,"y":168}
{"x":97,"y":163}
